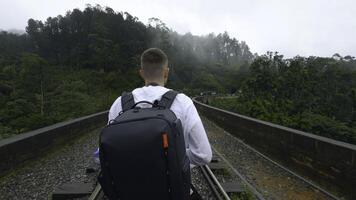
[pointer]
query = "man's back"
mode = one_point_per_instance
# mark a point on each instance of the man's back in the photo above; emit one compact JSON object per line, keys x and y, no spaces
{"x":197,"y":145}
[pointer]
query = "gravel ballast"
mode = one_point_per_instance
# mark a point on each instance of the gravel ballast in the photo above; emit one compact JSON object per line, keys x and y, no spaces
{"x":38,"y":179}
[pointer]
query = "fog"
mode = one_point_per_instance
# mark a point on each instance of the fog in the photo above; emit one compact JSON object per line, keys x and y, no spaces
{"x":304,"y":27}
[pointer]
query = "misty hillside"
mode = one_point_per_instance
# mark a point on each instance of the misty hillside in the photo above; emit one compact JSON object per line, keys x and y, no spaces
{"x":77,"y":64}
{"x":72,"y":65}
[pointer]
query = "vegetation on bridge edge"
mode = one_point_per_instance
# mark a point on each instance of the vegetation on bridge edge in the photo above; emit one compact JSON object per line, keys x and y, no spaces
{"x":316,"y":95}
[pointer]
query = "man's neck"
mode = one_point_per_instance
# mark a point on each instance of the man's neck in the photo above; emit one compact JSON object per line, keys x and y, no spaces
{"x":154,"y":83}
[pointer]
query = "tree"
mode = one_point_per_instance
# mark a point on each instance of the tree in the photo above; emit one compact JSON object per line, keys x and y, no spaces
{"x":35,"y":79}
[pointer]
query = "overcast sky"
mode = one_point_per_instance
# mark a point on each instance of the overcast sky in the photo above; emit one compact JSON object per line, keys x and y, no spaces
{"x":291,"y":27}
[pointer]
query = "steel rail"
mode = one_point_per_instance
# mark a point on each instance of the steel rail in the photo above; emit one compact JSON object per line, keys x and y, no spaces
{"x":96,"y":192}
{"x":211,"y":183}
{"x":258,"y":195}
{"x":217,"y":182}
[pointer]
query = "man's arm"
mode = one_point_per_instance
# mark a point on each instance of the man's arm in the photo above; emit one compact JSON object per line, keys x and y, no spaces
{"x":115,"y":109}
{"x":199,"y":150}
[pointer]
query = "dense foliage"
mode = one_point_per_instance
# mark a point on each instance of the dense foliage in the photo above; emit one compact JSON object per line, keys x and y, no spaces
{"x":77,"y":64}
{"x":314,"y":94}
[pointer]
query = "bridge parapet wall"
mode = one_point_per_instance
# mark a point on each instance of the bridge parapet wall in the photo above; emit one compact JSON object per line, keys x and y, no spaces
{"x":16,"y":150}
{"x":322,"y":159}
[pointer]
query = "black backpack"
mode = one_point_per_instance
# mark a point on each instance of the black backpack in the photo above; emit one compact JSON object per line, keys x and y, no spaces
{"x":142,"y":153}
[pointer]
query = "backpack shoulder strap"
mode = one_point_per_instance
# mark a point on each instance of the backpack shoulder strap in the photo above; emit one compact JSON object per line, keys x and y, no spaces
{"x":127,"y":101}
{"x":168,"y":99}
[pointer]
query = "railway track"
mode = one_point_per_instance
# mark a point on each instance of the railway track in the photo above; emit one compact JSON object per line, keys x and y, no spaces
{"x":226,"y":182}
{"x":214,"y":173}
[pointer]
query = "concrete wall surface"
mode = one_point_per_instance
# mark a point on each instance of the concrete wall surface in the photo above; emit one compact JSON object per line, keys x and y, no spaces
{"x":20,"y":148}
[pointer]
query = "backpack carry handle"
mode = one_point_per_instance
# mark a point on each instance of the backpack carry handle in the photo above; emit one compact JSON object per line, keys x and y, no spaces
{"x":152,"y":104}
{"x":128,"y":102}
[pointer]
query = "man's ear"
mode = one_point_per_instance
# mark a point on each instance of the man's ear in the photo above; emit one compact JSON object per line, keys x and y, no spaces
{"x":166,"y":72}
{"x":165,"y":75}
{"x":142,"y":74}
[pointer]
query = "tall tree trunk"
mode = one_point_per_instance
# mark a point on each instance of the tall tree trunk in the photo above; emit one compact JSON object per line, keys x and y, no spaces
{"x":42,"y":98}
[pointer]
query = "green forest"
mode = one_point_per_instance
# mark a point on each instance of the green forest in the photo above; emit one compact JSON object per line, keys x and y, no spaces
{"x":77,"y":64}
{"x":314,"y":94}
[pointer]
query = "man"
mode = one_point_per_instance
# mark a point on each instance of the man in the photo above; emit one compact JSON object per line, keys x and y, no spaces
{"x":154,"y":71}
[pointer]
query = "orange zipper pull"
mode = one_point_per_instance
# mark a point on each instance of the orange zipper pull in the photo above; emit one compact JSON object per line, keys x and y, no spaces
{"x":165,"y":140}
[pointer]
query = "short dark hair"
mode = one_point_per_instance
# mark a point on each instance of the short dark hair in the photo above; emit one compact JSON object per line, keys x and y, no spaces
{"x":153,"y":61}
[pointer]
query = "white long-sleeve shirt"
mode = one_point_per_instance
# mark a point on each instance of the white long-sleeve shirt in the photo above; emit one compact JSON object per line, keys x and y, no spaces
{"x":197,"y":145}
